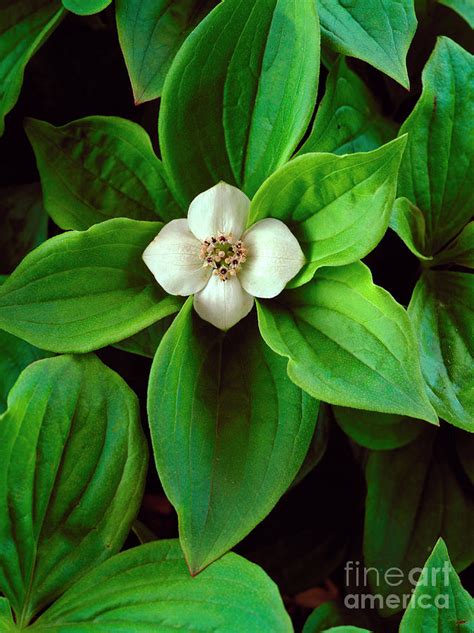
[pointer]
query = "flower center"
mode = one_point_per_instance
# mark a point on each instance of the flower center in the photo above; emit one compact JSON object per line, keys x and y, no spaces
{"x":223,"y":255}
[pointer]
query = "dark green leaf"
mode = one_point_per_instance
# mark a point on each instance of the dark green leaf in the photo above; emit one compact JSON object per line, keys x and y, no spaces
{"x":25,"y":26}
{"x":24,"y":223}
{"x":150,"y":33}
{"x":437,"y":168}
{"x":413,"y":498}
{"x":377,"y":430}
{"x":465,"y":8}
{"x":337,"y":206}
{"x":86,"y":7}
{"x":409,"y":224}
{"x":348,"y":342}
{"x":376,"y":31}
{"x":83,"y":290}
{"x":229,"y":429}
{"x":149,"y":588}
{"x":98,"y":168}
{"x":318,"y":445}
{"x":239,"y":94}
{"x":449,"y":607}
{"x":348,"y":119}
{"x":145,"y":343}
{"x":460,"y":251}
{"x":441,"y":310}
{"x":72,"y":465}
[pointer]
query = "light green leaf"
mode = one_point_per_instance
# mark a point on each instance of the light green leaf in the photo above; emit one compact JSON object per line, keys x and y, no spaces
{"x":73,"y":461}
{"x":98,"y":168}
{"x":332,"y":614}
{"x":348,"y":342}
{"x":338,"y":207}
{"x":377,"y":31}
{"x":346,"y":629}
{"x":464,"y":8}
{"x":377,"y":430}
{"x":6,"y":617}
{"x":85,"y":289}
{"x":239,"y":95}
{"x":348,"y":119}
{"x":86,"y":7}
{"x":145,"y":343}
{"x":437,"y":168}
{"x":460,"y":251}
{"x":25,"y":26}
{"x":409,"y":224}
{"x":148,"y":588}
{"x":150,"y":34}
{"x":413,"y":498}
{"x":439,"y":602}
{"x":441,"y":310}
{"x":229,"y":430}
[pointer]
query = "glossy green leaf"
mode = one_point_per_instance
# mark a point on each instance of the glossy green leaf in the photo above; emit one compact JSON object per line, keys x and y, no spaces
{"x":229,"y":430}
{"x":98,"y":168}
{"x":24,"y":223}
{"x":25,"y":26}
{"x":348,"y":119}
{"x":150,"y":34}
{"x":145,"y":343}
{"x":239,"y":94}
{"x":377,"y":430}
{"x":441,"y":309}
{"x":73,"y":461}
{"x":439,"y":602}
{"x":376,"y":31}
{"x":348,"y":342}
{"x":437,"y":169}
{"x":338,"y":207}
{"x":409,"y":224}
{"x":148,"y":588}
{"x":85,"y":289}
{"x":86,"y":7}
{"x":460,"y":251}
{"x":464,"y":8}
{"x":15,"y":355}
{"x":413,"y":498}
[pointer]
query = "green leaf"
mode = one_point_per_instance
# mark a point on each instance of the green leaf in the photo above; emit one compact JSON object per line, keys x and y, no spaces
{"x":150,"y":34}
{"x":346,"y":629}
{"x":239,"y":95}
{"x":332,"y":614}
{"x":377,"y":31}
{"x":441,"y":310}
{"x":229,"y":431}
{"x":6,"y":617}
{"x":338,"y":207}
{"x":460,"y":251}
{"x":26,"y":24}
{"x":413,"y":498}
{"x":409,"y":224}
{"x":348,"y":119}
{"x":464,"y":8}
{"x":149,"y":588}
{"x":24,"y":223}
{"x":83,"y":290}
{"x":319,"y":443}
{"x":377,"y":430}
{"x":348,"y":342}
{"x":145,"y":343}
{"x":439,"y":602}
{"x":437,"y":167}
{"x":98,"y":168}
{"x":86,"y":7}
{"x":15,"y":355}
{"x":73,"y":461}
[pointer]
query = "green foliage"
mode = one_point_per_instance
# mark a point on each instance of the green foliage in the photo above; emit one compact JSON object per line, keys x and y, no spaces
{"x":72,"y":465}
{"x":377,"y":31}
{"x":92,"y":286}
{"x":229,"y":429}
{"x":465,"y":8}
{"x":99,"y":168}
{"x":348,"y":342}
{"x":25,"y":24}
{"x":86,"y":7}
{"x":235,"y":108}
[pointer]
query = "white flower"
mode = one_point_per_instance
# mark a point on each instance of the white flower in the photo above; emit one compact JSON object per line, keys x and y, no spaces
{"x":211,"y":256}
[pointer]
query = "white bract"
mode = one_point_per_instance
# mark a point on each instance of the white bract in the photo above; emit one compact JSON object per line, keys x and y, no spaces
{"x":211,"y":256}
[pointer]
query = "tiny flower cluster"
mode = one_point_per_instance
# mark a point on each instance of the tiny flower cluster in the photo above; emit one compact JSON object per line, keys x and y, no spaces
{"x":223,"y":255}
